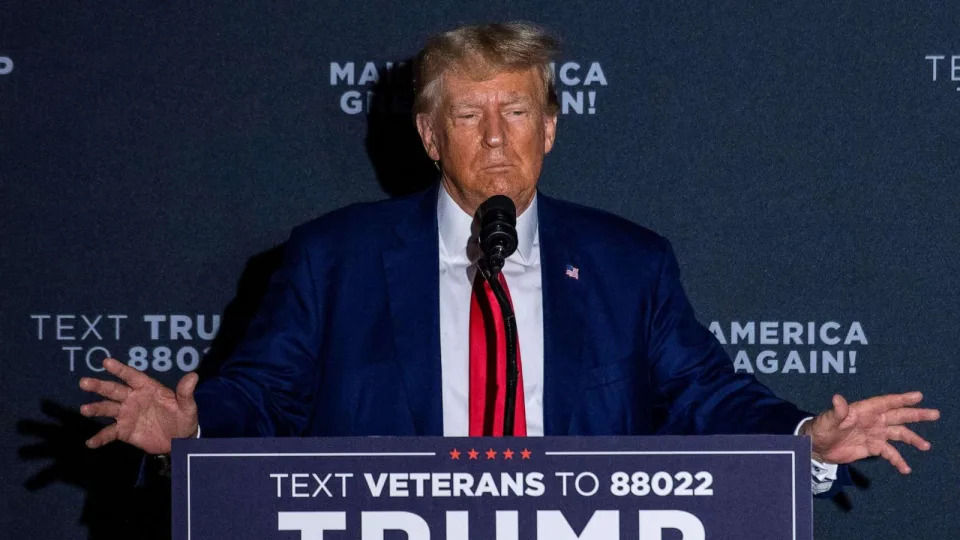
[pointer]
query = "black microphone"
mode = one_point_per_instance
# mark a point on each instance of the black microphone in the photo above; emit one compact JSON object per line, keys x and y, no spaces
{"x":498,"y":230}
{"x":498,"y":240}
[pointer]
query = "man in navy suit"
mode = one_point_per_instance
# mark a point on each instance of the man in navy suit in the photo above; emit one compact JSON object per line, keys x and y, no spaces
{"x":366,"y":327}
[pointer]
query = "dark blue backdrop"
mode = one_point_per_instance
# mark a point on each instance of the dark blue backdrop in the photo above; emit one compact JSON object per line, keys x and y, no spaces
{"x":801,"y":156}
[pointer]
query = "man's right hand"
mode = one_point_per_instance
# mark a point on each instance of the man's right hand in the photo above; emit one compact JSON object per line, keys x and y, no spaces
{"x":149,"y":415}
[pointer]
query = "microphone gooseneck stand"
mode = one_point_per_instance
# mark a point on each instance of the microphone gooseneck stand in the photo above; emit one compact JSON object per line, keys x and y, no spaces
{"x":498,"y":240}
{"x":510,"y":331}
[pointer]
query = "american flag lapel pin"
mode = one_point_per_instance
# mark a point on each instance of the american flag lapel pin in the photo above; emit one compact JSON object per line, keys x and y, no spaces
{"x":573,"y":272}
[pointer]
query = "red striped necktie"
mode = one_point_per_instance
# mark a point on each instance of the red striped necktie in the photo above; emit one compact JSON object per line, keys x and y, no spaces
{"x":488,"y":364}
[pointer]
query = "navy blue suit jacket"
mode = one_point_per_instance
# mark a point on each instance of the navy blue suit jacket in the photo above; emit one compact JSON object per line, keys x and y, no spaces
{"x":346,"y":341}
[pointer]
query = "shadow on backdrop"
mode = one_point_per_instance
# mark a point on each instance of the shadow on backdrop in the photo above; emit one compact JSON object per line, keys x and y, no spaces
{"x":401,"y":167}
{"x":393,"y":144}
{"x":115,"y":507}
{"x":860,"y":481}
{"x":235,"y":318}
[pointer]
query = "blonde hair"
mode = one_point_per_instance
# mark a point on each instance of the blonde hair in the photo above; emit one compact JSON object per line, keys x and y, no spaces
{"x":481,"y":51}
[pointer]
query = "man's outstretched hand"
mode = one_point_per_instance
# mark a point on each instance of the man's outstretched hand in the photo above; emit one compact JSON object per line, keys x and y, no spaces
{"x":149,"y":415}
{"x":852,"y":431}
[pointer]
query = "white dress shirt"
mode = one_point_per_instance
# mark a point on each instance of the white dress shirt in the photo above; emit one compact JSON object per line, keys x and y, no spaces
{"x":458,"y":257}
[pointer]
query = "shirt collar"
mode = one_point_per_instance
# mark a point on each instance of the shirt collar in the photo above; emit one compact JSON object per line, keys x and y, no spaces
{"x":457,"y":229}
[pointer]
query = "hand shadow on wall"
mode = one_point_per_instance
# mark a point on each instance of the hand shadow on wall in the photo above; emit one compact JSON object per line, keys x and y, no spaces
{"x":115,"y":507}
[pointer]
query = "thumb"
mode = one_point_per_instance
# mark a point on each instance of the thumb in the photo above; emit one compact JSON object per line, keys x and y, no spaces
{"x":185,"y":389}
{"x":842,"y":409}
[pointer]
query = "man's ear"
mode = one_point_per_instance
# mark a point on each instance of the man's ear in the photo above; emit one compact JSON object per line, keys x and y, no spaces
{"x":549,"y":131}
{"x":428,"y":136}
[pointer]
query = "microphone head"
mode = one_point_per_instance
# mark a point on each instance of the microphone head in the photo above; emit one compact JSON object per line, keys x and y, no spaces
{"x":500,"y":203}
{"x":498,"y":230}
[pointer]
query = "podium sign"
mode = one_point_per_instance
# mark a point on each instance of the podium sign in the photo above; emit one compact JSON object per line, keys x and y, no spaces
{"x":544,"y":488}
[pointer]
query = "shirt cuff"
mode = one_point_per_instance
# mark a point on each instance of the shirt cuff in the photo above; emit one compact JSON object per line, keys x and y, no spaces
{"x":822,"y":475}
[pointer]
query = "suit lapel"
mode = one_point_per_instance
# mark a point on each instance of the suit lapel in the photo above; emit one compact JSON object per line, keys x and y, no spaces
{"x":412,"y":266}
{"x":563,"y":324}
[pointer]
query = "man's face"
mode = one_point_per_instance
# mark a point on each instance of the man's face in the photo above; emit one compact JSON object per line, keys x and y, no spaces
{"x":489,"y":136}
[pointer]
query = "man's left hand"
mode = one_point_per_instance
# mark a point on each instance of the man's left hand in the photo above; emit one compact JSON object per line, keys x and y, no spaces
{"x":852,"y":431}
